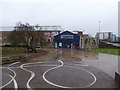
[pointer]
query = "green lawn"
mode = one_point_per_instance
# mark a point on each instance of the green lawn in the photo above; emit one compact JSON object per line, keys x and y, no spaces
{"x":13,"y":55}
{"x":8,"y":51}
{"x":107,"y":51}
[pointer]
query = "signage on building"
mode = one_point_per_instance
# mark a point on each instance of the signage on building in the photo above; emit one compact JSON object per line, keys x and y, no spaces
{"x":67,"y":36}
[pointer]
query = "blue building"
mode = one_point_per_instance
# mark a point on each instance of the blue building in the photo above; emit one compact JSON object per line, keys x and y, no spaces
{"x":67,"y":40}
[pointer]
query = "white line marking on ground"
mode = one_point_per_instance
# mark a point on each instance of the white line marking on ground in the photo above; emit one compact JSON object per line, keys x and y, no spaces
{"x":56,"y":66}
{"x":39,"y":65}
{"x":25,"y":65}
{"x":77,"y":65}
{"x":95,"y":79}
{"x":13,"y":77}
{"x":53,"y":69}
{"x":36,"y":62}
{"x":31,"y":66}
{"x":4,"y":67}
{"x":6,"y":83}
{"x":32,"y":75}
{"x":15,"y":82}
{"x":65,"y":86}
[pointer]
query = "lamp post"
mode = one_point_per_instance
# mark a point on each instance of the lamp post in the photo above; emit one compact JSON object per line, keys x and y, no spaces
{"x":99,"y":34}
{"x":99,"y":26}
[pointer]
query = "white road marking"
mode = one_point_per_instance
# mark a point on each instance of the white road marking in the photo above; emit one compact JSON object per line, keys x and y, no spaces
{"x":6,"y":83}
{"x":15,"y":82}
{"x":77,"y":65}
{"x":13,"y":77}
{"x":65,"y":86}
{"x":53,"y":69}
{"x":36,"y":62}
{"x":39,"y":65}
{"x":95,"y":79}
{"x":22,"y":67}
{"x":4,"y":67}
{"x":31,"y":66}
{"x":32,"y":75}
{"x":44,"y":74}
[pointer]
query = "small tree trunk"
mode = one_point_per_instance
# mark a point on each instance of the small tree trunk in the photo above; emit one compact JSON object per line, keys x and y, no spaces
{"x":33,"y":48}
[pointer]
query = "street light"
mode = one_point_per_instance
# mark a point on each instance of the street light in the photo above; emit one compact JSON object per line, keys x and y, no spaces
{"x":99,"y":33}
{"x":99,"y":26}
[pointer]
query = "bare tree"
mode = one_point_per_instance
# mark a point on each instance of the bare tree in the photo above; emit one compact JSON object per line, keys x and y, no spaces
{"x":14,"y":38}
{"x":24,"y":34}
{"x":39,"y":36}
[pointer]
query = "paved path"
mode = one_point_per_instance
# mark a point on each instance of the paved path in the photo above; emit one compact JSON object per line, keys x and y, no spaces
{"x":54,"y":74}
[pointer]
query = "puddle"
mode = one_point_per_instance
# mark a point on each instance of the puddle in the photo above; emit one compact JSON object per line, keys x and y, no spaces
{"x":105,"y":62}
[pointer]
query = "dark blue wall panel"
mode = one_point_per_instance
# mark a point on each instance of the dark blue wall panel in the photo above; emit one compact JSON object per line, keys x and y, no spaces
{"x":58,"y":39}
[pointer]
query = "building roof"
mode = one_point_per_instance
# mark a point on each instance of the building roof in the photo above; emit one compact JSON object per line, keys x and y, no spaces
{"x":48,"y":28}
{"x":67,"y":37}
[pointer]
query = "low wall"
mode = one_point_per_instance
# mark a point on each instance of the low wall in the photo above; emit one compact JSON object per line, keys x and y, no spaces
{"x":7,"y":60}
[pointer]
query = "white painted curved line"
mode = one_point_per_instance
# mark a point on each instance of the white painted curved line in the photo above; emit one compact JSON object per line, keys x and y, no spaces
{"x":4,"y":67}
{"x":53,"y":69}
{"x":32,"y":75}
{"x":6,"y":83}
{"x":31,"y":66}
{"x":9,"y":67}
{"x":40,"y":65}
{"x":65,"y":86}
{"x":77,"y":65}
{"x":15,"y":82}
{"x":95,"y":79}
{"x":13,"y":77}
{"x":36,"y":63}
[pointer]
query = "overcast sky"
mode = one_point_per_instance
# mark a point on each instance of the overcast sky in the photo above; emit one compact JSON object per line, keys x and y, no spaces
{"x":70,"y":14}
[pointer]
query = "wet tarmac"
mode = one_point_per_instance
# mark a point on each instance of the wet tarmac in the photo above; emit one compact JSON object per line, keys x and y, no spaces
{"x":105,"y":62}
{"x":54,"y":74}
{"x":63,"y":68}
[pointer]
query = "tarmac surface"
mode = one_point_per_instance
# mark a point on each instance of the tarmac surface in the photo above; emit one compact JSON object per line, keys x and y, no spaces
{"x":54,"y":74}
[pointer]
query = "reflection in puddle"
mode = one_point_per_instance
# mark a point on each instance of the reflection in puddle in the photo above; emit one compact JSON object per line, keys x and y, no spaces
{"x":105,"y":62}
{"x":74,"y":54}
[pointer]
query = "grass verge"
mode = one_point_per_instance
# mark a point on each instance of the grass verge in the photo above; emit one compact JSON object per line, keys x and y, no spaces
{"x":112,"y":51}
{"x":13,"y":55}
{"x":12,"y":51}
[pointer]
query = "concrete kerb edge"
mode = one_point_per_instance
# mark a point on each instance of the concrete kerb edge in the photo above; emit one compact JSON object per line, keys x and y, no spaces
{"x":20,"y":58}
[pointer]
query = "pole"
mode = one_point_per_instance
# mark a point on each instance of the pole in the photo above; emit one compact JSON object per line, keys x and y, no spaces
{"x":99,"y":27}
{"x":99,"y":34}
